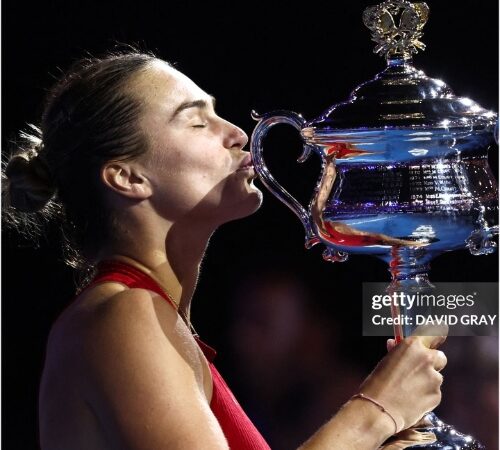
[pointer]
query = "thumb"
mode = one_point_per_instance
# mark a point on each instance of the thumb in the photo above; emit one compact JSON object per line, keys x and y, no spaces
{"x":432,"y":336}
{"x":391,"y":343}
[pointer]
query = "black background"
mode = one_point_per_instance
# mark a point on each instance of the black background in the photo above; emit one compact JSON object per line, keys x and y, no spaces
{"x":301,"y":56}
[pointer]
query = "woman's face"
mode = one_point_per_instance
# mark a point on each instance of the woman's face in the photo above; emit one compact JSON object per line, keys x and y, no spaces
{"x":195,"y":162}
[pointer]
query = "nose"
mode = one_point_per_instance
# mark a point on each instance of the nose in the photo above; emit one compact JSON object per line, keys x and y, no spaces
{"x":234,"y":137}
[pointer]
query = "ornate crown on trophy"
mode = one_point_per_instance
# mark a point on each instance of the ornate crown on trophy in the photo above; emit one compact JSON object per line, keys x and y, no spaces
{"x":396,"y":27}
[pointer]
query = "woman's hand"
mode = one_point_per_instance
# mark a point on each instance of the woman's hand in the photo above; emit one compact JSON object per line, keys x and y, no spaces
{"x":407,"y":381}
{"x":408,"y":438}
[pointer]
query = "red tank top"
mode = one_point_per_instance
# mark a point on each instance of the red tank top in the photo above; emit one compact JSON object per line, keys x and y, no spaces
{"x":240,"y":432}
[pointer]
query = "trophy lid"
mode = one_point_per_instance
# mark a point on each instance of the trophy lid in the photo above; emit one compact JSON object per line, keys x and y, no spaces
{"x":401,"y":96}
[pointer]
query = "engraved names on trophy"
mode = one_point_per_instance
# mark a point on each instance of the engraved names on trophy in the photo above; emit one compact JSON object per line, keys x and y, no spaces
{"x":410,"y":188}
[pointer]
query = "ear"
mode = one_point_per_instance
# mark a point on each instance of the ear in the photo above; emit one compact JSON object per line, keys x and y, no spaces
{"x":126,"y":179}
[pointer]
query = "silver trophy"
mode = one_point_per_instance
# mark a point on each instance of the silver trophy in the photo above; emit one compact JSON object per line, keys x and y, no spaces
{"x":404,"y":171}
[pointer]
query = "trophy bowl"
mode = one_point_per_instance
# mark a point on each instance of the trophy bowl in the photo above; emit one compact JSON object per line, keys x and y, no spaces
{"x":404,"y":170}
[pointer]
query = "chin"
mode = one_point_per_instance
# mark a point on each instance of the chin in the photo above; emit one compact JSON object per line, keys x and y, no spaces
{"x":255,"y":199}
{"x":247,"y":205}
{"x":251,"y":204}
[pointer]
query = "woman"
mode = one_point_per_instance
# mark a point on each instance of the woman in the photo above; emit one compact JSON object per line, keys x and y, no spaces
{"x":136,"y":164}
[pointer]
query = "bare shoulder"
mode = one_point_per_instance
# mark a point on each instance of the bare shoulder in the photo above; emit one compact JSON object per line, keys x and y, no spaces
{"x":111,"y":319}
{"x":106,"y":316}
{"x":139,"y":369}
{"x":123,"y":330}
{"x":137,"y":310}
{"x":106,"y":308}
{"x":131,"y":321}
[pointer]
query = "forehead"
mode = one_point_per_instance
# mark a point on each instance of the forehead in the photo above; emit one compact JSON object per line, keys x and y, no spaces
{"x":160,"y":85}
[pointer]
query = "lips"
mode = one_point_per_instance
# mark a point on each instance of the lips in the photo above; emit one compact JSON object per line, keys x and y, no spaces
{"x":246,"y":163}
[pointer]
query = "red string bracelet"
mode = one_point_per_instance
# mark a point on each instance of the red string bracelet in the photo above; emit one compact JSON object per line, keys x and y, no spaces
{"x":380,"y":406}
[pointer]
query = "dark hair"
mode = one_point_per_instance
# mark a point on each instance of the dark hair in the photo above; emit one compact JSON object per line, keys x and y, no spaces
{"x":89,"y":118}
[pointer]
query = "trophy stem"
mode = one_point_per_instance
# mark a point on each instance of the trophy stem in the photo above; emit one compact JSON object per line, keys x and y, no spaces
{"x":409,"y":269}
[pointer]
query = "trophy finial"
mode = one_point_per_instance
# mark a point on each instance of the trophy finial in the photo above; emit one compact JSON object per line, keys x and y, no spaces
{"x":396,"y":27}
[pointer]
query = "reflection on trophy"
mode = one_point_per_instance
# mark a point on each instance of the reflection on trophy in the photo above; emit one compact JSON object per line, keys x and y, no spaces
{"x":405,"y":174}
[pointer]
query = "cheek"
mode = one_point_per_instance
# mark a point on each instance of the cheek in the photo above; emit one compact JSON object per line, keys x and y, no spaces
{"x":199,"y":155}
{"x":189,"y":170}
{"x":207,"y":166}
{"x":201,"y":168}
{"x":198,"y":180}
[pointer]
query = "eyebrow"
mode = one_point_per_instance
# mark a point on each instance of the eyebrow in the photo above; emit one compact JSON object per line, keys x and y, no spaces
{"x":202,"y":104}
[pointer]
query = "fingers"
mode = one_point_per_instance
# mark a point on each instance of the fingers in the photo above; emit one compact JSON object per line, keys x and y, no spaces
{"x":432,"y":337}
{"x":435,"y":357}
{"x":391,"y":343}
{"x":408,"y":438}
{"x":439,"y":360}
{"x":440,"y":380}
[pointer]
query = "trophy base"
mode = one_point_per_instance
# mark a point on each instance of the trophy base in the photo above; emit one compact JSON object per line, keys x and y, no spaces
{"x":447,"y":437}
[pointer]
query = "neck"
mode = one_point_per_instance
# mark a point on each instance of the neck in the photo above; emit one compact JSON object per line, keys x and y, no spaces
{"x":172,"y":257}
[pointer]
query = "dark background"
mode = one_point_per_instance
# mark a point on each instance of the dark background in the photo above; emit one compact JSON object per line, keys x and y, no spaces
{"x":300,"y":56}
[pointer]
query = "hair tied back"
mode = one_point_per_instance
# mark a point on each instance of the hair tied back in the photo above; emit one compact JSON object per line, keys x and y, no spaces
{"x":30,"y":185}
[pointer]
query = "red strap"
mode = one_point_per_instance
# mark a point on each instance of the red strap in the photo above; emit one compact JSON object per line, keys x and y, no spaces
{"x":112,"y":270}
{"x":129,"y":276}
{"x":237,"y":427}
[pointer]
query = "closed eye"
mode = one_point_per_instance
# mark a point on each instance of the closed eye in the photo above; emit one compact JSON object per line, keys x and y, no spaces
{"x":203,"y":125}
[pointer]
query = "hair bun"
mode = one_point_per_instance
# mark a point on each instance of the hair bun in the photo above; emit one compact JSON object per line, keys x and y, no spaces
{"x":30,"y":185}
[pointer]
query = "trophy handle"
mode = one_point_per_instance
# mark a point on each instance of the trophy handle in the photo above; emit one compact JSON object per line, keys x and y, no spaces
{"x":267,"y":121}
